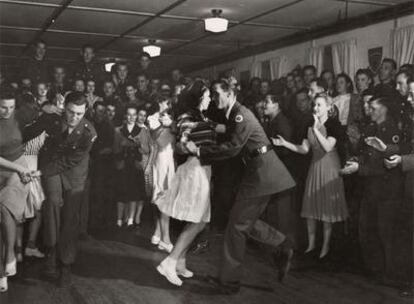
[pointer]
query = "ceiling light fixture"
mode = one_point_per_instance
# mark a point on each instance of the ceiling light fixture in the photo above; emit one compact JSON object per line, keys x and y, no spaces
{"x":108,"y":66}
{"x":152,"y":49}
{"x":216,"y":24}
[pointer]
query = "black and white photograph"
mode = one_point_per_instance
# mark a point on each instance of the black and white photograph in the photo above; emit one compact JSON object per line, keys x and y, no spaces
{"x":206,"y":151}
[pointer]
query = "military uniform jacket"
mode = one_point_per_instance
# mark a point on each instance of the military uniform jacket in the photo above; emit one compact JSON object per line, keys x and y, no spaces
{"x":381,"y":183}
{"x":66,"y":156}
{"x":264,"y":174}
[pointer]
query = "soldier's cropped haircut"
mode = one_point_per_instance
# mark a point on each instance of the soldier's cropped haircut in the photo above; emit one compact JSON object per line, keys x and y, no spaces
{"x":97,"y":104}
{"x":76,"y":98}
{"x":7,"y":93}
{"x":392,"y":61}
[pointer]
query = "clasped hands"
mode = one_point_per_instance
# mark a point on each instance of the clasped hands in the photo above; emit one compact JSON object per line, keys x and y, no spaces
{"x":27,"y":176}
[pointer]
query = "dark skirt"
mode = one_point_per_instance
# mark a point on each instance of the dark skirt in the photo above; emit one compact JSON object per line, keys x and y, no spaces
{"x":130,"y":183}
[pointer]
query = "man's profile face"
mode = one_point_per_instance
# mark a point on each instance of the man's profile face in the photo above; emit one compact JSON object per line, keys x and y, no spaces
{"x":74,"y":114}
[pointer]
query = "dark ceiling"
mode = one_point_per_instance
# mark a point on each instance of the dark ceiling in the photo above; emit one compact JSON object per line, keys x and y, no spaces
{"x":119,"y":28}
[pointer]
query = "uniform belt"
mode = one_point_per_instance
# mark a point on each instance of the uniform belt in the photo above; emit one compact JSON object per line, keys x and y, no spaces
{"x":261,"y":150}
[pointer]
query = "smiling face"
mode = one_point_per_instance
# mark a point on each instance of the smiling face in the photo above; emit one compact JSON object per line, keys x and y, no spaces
{"x":131,"y":116}
{"x":142,"y":117}
{"x":402,"y":85}
{"x":130,"y":92}
{"x":42,"y":90}
{"x":321,"y":107}
{"x":410,"y":96}
{"x":205,"y":100}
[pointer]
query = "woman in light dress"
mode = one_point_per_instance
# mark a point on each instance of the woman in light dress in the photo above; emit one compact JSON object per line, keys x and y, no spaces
{"x":163,"y":133}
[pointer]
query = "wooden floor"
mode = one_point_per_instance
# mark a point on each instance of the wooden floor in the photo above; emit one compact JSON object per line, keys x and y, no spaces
{"x":118,"y":267}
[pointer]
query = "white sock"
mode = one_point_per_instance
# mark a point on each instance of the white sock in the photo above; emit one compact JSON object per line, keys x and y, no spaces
{"x":119,"y":223}
{"x":130,"y":222}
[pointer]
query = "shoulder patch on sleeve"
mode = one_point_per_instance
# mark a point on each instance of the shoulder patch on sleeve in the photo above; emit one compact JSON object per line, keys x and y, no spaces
{"x":395,"y":139}
{"x":239,"y":118}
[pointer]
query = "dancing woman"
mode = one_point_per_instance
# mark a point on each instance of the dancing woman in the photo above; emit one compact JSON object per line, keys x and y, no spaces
{"x":188,"y":198}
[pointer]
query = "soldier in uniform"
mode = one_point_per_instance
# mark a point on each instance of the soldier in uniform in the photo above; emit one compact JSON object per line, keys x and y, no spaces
{"x":263,"y":175}
{"x":63,"y":163}
{"x":382,"y":189}
{"x":87,"y":68}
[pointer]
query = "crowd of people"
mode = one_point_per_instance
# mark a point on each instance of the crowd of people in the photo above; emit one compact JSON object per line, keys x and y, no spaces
{"x":79,"y":144}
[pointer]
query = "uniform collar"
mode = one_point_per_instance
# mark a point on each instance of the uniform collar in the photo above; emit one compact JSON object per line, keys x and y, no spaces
{"x":234,"y":106}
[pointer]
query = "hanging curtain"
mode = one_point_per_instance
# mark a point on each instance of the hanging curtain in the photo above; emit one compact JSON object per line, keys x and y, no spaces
{"x":344,"y":57}
{"x":402,"y":43}
{"x":278,"y":67}
{"x":315,"y":57}
{"x":256,"y":68}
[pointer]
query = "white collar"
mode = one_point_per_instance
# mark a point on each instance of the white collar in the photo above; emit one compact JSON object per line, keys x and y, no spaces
{"x":229,"y":109}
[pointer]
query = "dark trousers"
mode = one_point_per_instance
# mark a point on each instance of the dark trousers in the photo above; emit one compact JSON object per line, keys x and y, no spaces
{"x":377,"y":221}
{"x":243,"y":222}
{"x":61,"y":218}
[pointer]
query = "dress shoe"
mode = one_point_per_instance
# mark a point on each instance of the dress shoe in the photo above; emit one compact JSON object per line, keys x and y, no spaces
{"x":3,"y":284}
{"x":283,"y":259}
{"x":65,"y":276}
{"x":33,"y":252}
{"x":200,"y":247}
{"x":167,"y":269}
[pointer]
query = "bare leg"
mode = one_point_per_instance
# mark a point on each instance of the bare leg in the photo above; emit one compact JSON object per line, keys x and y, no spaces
{"x":34,"y":228}
{"x":165,"y":228}
{"x":9,"y":228}
{"x":311,"y":224}
{"x":169,"y":265}
{"x":132,"y":208}
{"x":19,"y":242}
{"x":140,"y":206}
{"x":120,"y":213}
{"x":327,"y":232}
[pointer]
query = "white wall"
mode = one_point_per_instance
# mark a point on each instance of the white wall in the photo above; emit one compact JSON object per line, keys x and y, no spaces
{"x":368,"y":37}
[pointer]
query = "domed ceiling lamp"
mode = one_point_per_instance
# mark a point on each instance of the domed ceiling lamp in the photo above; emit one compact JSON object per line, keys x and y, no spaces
{"x":152,"y":49}
{"x":216,"y":24}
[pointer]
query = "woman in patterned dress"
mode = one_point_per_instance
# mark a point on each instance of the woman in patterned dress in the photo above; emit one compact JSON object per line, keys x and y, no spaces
{"x":324,"y":198}
{"x":188,"y":198}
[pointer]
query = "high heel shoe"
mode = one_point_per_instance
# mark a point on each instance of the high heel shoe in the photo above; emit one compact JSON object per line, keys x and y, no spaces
{"x":11,"y":268}
{"x":165,"y":247}
{"x":3,"y":284}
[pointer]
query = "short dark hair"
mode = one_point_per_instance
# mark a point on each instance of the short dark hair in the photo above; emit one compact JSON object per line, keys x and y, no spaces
{"x":309,"y":67}
{"x":275,"y":98}
{"x":392,"y":61}
{"x":131,"y":106}
{"x":97,"y":104}
{"x":40,"y":41}
{"x":7,"y":93}
{"x":77,"y":98}
{"x":327,"y":71}
{"x":87,"y":46}
{"x":144,"y":54}
{"x":408,"y":74}
{"x":365,"y":72}
{"x":348,"y":80}
{"x":302,"y":91}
